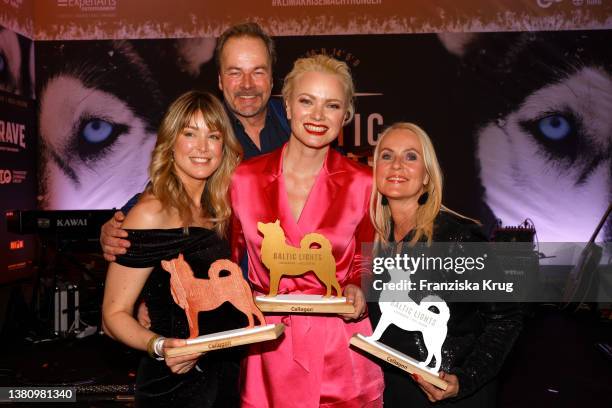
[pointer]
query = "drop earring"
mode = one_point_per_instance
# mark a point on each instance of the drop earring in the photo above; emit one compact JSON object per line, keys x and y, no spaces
{"x":423,"y":198}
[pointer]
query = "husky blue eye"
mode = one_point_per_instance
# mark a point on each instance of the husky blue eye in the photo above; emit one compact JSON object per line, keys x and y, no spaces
{"x":97,"y":130}
{"x":95,"y":137}
{"x":555,"y":127}
{"x":559,"y":134}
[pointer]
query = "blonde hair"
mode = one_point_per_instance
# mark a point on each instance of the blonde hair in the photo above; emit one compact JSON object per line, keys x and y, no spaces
{"x":328,"y":65}
{"x":426,"y":213}
{"x":165,"y":184}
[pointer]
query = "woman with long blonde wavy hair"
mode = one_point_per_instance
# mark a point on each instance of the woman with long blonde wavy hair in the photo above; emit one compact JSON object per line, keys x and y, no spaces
{"x":406,"y":209}
{"x":425,"y":213}
{"x":184,"y":210}
{"x":166,"y":185}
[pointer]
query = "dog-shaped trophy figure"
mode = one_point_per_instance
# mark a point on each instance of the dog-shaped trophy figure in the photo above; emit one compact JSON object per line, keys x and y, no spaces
{"x":283,"y":259}
{"x":404,"y":315}
{"x":399,"y":309}
{"x":196,"y":295}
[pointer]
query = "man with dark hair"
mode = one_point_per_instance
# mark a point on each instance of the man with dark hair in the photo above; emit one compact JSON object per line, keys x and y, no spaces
{"x":244,"y":56}
{"x":252,"y":30}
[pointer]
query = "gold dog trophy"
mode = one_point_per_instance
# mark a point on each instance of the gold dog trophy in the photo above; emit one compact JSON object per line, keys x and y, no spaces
{"x":282,"y":259}
{"x":411,"y":316}
{"x":196,"y":295}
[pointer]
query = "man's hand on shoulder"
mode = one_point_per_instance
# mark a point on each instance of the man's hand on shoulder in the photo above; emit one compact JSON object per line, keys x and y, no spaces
{"x":148,"y":213}
{"x":112,"y":237}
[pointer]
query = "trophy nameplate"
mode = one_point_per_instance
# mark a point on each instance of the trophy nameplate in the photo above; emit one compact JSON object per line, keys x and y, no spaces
{"x":196,"y":295}
{"x":300,"y":303}
{"x":229,"y":338}
{"x":410,"y":316}
{"x":284,"y":260}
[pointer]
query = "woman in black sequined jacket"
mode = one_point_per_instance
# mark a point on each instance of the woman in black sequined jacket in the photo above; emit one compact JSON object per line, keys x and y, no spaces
{"x":406,"y":209}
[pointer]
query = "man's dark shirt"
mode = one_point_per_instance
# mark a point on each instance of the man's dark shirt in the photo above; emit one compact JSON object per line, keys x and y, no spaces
{"x":274,"y":134}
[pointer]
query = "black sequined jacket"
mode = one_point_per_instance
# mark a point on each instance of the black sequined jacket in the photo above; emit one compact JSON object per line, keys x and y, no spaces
{"x":480,"y":335}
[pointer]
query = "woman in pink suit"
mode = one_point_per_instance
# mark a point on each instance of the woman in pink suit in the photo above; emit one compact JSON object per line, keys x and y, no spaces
{"x":309,"y":187}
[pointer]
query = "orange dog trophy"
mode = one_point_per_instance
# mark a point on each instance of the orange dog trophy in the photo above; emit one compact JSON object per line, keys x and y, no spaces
{"x":283,"y":259}
{"x":196,"y":295}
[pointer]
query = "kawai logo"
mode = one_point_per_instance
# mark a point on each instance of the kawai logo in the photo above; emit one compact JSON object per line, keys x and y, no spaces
{"x":72,"y":222}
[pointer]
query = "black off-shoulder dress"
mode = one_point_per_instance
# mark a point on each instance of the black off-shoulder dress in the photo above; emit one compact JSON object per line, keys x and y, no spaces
{"x":214,"y":380}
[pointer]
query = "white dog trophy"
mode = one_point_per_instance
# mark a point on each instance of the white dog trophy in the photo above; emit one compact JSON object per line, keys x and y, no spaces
{"x":399,"y":309}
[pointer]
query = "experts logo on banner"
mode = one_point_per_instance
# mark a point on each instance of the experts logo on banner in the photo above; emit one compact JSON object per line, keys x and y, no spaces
{"x":89,"y":5}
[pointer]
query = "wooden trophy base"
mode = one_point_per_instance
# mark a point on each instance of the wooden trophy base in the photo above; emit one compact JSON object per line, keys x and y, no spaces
{"x":396,"y":358}
{"x":227,"y":339}
{"x":307,"y":304}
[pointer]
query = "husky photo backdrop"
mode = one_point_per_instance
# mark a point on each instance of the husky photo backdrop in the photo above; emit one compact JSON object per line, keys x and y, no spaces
{"x":520,"y":119}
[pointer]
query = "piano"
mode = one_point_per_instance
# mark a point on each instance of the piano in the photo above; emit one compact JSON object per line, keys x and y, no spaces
{"x":61,"y":225}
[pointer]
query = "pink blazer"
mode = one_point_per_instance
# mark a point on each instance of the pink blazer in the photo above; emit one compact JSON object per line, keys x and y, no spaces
{"x":313,"y":348}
